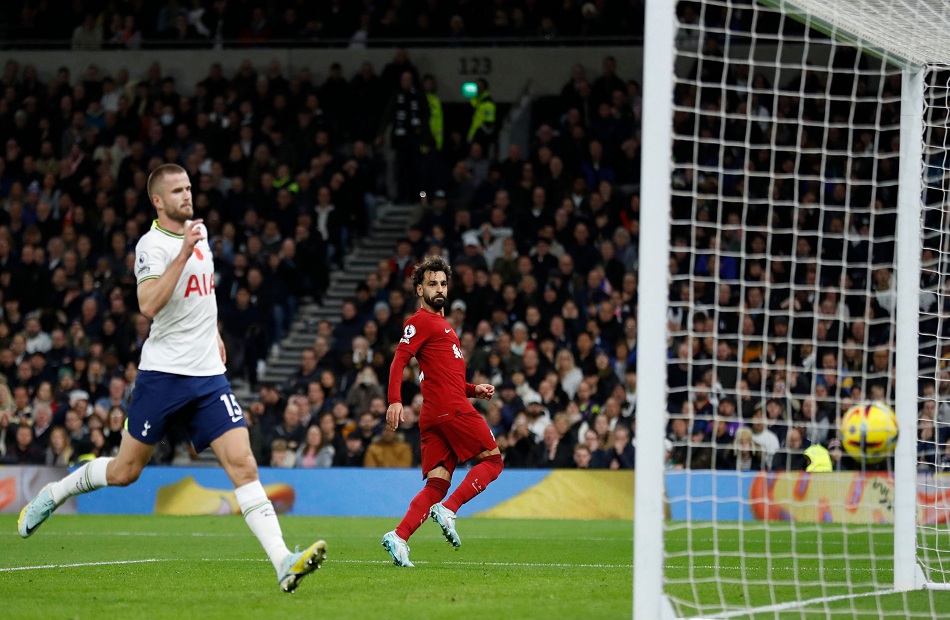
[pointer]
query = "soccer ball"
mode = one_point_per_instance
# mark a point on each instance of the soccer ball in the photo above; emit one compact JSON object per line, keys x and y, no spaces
{"x":869,"y":432}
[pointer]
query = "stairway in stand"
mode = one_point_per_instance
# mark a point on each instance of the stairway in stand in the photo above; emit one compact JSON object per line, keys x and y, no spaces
{"x":392,"y":222}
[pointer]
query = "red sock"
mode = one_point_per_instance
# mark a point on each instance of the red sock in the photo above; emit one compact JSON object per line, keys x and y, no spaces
{"x":432,"y":493}
{"x":475,"y":482}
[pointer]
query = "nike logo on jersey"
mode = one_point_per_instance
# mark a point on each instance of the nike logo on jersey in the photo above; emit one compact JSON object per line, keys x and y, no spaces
{"x":447,"y":331}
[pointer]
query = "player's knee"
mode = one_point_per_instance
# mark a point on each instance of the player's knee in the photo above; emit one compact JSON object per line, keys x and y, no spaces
{"x":495,"y":464}
{"x":243,"y":470}
{"x":440,"y":472}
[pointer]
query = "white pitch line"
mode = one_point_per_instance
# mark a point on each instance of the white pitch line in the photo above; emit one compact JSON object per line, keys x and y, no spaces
{"x":331,"y":560}
{"x":242,"y":535}
{"x":803,"y":604}
{"x":502,"y":564}
{"x":80,"y":565}
{"x":773,"y":569}
{"x":450,"y":562}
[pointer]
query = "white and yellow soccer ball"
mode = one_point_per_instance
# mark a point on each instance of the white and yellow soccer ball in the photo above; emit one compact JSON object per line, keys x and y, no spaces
{"x":869,"y":432}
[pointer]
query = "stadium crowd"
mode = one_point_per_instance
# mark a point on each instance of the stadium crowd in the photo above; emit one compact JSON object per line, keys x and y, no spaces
{"x":542,"y":239}
{"x":219,"y":24}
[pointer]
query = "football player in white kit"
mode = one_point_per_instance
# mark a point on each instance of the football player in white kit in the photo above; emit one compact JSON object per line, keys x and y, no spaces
{"x":182,"y":373}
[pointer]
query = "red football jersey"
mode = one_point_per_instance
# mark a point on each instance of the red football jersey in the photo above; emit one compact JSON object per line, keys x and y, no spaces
{"x":429,"y":338}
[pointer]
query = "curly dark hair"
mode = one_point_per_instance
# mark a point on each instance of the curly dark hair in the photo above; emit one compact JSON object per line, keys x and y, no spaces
{"x":430,"y":263}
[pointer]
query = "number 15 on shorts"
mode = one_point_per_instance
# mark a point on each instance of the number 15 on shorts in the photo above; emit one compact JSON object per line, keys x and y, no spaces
{"x":234,"y":409}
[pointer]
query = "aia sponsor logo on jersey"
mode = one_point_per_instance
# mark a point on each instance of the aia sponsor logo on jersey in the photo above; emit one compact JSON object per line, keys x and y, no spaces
{"x":201,"y":285}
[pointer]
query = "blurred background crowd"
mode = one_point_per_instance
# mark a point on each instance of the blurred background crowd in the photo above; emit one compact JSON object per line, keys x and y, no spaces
{"x":289,"y":170}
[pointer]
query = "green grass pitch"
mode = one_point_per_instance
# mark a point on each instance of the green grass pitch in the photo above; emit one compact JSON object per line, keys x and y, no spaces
{"x":212,"y":567}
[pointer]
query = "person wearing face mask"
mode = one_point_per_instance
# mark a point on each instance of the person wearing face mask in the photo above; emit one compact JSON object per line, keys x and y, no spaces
{"x":365,"y":389}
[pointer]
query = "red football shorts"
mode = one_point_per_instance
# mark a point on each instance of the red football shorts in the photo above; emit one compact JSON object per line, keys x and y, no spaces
{"x":455,"y":441}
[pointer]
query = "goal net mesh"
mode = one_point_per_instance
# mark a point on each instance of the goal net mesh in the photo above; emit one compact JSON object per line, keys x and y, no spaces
{"x":933,"y":440}
{"x":781,"y":311}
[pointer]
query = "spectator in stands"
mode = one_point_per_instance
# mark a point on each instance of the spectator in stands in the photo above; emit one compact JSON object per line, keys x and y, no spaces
{"x":943,"y":462}
{"x":88,"y":34}
{"x":405,"y":121}
{"x":60,"y":452}
{"x":349,"y":327}
{"x":403,"y":261}
{"x":273,"y":405}
{"x":280,"y":454}
{"x":767,"y":440}
{"x":582,"y":457}
{"x":291,"y":428}
{"x":124,"y":33}
{"x":306,"y":374}
{"x":23,"y":450}
{"x":316,"y":451}
{"x":388,"y":449}
{"x":624,"y":453}
{"x":42,"y":425}
{"x":317,"y":402}
{"x":330,"y":226}
{"x":815,"y":422}
{"x":600,"y":458}
{"x":523,"y":450}
{"x":8,"y":431}
{"x":366,"y":388}
{"x":745,"y":454}
{"x":116,"y":397}
{"x":112,"y":433}
{"x":182,"y":34}
{"x":556,"y":451}
{"x":482,"y":129}
{"x":353,"y":452}
{"x":791,"y":457}
{"x":244,"y":322}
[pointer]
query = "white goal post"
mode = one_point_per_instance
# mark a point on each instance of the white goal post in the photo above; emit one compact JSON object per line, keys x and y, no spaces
{"x":710,"y":58}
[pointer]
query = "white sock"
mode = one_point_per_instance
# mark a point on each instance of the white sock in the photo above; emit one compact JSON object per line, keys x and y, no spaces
{"x":262,"y":519}
{"x":87,"y":478}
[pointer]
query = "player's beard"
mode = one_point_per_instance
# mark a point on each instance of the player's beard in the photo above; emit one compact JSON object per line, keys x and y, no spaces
{"x":180,"y":213}
{"x":436,"y":303}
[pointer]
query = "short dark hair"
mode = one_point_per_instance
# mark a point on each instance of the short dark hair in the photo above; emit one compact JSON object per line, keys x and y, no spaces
{"x":160,"y":173}
{"x":433,"y":263}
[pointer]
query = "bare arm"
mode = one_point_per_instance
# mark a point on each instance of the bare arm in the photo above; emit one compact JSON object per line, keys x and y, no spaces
{"x":153,"y":294}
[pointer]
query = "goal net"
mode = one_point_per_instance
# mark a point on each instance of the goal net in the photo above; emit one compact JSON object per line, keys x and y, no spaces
{"x":808,"y":249}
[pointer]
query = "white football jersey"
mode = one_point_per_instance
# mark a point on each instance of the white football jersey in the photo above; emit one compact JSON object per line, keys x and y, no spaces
{"x":184,"y":335}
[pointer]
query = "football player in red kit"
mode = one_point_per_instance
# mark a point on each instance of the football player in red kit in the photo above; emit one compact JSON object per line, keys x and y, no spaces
{"x":452,"y":432}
